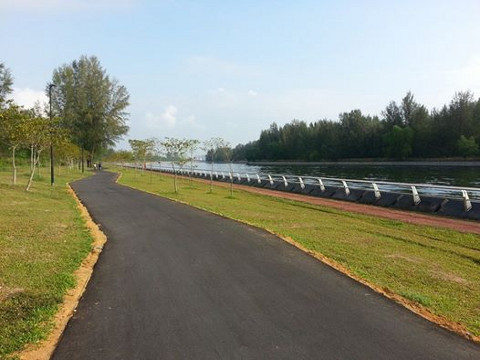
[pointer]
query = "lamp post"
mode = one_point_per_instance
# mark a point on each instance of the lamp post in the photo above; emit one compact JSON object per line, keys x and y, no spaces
{"x":52,"y":170}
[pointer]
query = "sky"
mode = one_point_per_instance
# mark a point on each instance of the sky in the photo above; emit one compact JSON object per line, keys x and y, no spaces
{"x":202,"y":69}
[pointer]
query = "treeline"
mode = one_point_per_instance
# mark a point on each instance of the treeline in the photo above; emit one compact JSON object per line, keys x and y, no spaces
{"x":404,"y":130}
{"x":86,"y":115}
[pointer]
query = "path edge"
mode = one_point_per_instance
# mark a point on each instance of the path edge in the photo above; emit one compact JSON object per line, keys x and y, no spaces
{"x":44,"y":349}
{"x":410,"y":305}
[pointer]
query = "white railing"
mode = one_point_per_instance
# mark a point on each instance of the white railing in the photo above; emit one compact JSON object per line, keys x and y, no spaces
{"x":379,"y":188}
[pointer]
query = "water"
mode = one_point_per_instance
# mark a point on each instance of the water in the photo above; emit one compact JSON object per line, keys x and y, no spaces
{"x":435,"y":175}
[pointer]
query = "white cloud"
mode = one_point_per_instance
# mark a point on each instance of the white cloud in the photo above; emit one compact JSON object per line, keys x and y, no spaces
{"x":167,"y":119}
{"x":27,"y":97}
{"x":252,"y":93}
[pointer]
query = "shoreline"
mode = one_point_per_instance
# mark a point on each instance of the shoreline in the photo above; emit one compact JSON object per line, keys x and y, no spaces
{"x":446,"y":163}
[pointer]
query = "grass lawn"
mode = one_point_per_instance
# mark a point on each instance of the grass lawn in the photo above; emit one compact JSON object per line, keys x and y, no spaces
{"x":43,"y":239}
{"x":436,"y":268}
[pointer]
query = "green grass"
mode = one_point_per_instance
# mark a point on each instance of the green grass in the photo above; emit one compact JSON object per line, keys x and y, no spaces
{"x":437,"y":268}
{"x":43,"y":239}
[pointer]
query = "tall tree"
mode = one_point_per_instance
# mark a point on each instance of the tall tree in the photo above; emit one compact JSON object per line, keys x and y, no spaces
{"x":91,"y":104}
{"x":393,"y":115}
{"x":6,"y":82}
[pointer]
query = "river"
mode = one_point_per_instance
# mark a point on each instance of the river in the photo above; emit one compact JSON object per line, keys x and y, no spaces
{"x":463,"y":176}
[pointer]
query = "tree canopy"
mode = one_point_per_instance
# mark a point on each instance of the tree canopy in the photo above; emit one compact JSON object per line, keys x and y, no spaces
{"x":91,"y":104}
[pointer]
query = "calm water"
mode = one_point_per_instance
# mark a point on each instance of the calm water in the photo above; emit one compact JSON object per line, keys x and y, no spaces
{"x":438,"y":175}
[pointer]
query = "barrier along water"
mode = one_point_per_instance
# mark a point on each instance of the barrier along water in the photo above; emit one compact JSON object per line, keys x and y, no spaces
{"x":452,"y":201}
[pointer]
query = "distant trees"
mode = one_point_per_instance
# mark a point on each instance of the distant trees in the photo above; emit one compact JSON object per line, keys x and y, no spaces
{"x":467,"y":146}
{"x":404,"y":130}
{"x":91,"y":104}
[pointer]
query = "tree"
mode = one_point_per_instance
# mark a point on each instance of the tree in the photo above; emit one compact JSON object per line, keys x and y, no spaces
{"x":177,"y":151}
{"x":142,"y":149}
{"x":467,"y":146}
{"x":399,"y":142}
{"x":393,"y":115}
{"x":6,"y":82}
{"x":211,"y":146}
{"x":38,"y":134}
{"x":13,"y":121}
{"x":66,"y":152}
{"x":461,"y":111}
{"x":91,"y":104}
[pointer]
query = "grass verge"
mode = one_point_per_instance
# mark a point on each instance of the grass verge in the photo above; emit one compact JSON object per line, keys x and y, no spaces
{"x":43,"y":239}
{"x":436,"y":269}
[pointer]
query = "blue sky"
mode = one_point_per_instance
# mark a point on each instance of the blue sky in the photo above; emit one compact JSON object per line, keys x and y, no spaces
{"x":198,"y":69}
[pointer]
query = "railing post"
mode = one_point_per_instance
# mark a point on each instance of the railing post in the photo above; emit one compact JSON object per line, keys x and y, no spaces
{"x":238,"y":177}
{"x":467,"y":204}
{"x":248,"y":178}
{"x":270,"y":179}
{"x":285,"y":181}
{"x":302,"y":185}
{"x":320,"y":182}
{"x":345,"y":186}
{"x":378,"y":194}
{"x":258,"y":179}
{"x":416,"y":197}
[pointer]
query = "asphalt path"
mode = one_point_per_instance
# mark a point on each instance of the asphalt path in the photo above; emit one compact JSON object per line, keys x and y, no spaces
{"x":174,"y":282}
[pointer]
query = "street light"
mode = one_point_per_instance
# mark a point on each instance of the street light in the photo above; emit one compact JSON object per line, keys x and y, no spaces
{"x":52,"y":171}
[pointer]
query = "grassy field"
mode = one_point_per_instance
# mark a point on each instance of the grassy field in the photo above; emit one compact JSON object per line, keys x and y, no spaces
{"x":43,"y":239}
{"x":436,"y":268}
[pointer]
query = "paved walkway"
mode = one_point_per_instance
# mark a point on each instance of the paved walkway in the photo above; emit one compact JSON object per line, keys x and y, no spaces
{"x":174,"y":282}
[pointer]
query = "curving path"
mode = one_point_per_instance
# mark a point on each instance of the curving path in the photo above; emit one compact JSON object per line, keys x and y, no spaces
{"x":174,"y":282}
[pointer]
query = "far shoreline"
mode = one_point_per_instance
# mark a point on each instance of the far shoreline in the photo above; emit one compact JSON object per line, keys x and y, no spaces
{"x":451,"y":163}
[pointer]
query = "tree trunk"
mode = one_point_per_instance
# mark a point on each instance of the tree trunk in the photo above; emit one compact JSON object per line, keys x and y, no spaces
{"x":211,"y":179}
{"x":231,"y":179}
{"x":92,"y":157}
{"x":83,"y":168}
{"x":32,"y":156}
{"x":35,"y":162}
{"x":14,"y":179}
{"x":174,"y":178}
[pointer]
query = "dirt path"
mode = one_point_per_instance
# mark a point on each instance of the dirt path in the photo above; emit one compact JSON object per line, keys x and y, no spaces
{"x":386,"y":213}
